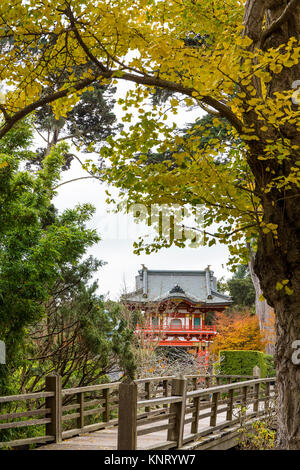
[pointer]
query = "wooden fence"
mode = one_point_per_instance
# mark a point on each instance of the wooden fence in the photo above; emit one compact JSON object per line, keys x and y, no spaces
{"x":183,"y":407}
{"x":59,"y":413}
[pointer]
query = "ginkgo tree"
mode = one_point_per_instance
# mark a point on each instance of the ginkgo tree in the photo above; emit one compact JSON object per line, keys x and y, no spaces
{"x":238,"y":60}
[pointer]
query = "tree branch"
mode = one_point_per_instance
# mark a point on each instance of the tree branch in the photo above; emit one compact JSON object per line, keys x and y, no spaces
{"x":43,"y":101}
{"x":153,"y":81}
{"x":76,"y":179}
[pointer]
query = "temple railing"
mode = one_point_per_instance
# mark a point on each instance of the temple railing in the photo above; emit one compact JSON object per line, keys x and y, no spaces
{"x":176,"y":328}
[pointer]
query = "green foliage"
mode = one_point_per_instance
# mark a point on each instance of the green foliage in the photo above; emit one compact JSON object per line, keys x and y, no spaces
{"x":257,"y":437}
{"x":242,"y":362}
{"x":34,"y":244}
{"x":87,"y":124}
{"x":73,"y":338}
{"x":18,"y":140}
{"x":270,"y":366}
{"x":122,"y":340}
{"x":241,"y":288}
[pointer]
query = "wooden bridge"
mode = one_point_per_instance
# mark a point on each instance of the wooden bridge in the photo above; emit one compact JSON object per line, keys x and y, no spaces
{"x":192,"y":412}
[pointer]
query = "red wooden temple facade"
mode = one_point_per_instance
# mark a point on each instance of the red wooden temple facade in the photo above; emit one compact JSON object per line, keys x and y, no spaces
{"x":175,"y":306}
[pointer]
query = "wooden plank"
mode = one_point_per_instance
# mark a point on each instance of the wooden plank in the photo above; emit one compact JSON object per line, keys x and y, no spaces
{"x":179,"y":387}
{"x":27,"y":441}
{"x":157,"y":412}
{"x":80,"y":419}
{"x":158,"y":401}
{"x":72,"y":407}
{"x":162,"y":446}
{"x":26,"y":396}
{"x":78,"y":415}
{"x":22,"y":424}
{"x":70,"y":416}
{"x":154,"y":419}
{"x":256,"y":400}
{"x":244,"y":395}
{"x":23,"y":414}
{"x":107,"y":405}
{"x":267,"y":397}
{"x":152,"y":429}
{"x":89,"y":428}
{"x":94,"y":411}
{"x":155,"y":379}
{"x":147,"y":394}
{"x":221,"y":410}
{"x":127,"y":432}
{"x":205,"y":415}
{"x":195,"y":423}
{"x":214,"y":408}
{"x":165,"y":390}
{"x":189,"y":420}
{"x":195,"y":381}
{"x":54,"y":427}
{"x":225,"y":388}
{"x":89,"y":388}
{"x":230,"y":405}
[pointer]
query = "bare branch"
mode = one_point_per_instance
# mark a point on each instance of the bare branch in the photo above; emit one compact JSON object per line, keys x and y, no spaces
{"x":76,"y":179}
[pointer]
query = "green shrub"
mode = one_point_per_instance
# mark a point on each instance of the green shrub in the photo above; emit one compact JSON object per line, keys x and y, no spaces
{"x":270,"y":366}
{"x":242,"y":362}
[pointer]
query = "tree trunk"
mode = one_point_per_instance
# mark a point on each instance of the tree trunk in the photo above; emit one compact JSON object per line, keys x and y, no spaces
{"x":288,"y":375}
{"x":279,"y":260}
{"x":264,"y":311}
{"x":271,"y":24}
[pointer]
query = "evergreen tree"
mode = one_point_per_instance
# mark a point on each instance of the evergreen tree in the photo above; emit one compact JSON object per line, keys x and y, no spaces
{"x":241,"y":288}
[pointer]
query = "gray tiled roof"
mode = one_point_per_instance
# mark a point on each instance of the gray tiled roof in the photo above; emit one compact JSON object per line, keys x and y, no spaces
{"x":159,"y":285}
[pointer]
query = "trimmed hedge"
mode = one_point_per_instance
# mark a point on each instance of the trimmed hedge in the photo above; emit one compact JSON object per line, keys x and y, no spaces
{"x":242,"y":363}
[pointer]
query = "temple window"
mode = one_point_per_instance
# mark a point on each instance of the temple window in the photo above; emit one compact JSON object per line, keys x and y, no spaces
{"x":176,"y":323}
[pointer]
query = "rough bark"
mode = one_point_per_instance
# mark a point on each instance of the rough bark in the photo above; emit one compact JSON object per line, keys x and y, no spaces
{"x":263,"y":310}
{"x":276,"y":262}
{"x":279,"y":258}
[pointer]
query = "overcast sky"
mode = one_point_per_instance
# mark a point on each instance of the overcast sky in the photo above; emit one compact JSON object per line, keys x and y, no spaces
{"x":118,"y":232}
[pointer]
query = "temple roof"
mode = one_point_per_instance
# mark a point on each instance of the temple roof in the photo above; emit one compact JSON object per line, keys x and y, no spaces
{"x":193,"y":286}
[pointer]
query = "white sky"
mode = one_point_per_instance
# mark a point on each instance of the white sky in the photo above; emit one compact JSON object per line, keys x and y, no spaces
{"x":118,"y":232}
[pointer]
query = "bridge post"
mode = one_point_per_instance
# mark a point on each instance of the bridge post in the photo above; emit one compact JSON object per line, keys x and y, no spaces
{"x":214,"y":409}
{"x":147,"y":394}
{"x":194,"y":380}
{"x":179,"y":387}
{"x":80,"y":401}
{"x":106,"y":397}
{"x":54,"y":428}
{"x":256,"y":397}
{"x":230,"y":401}
{"x":127,"y":433}
{"x":195,"y":423}
{"x":166,"y":391}
{"x":256,"y":372}
{"x":267,"y":396}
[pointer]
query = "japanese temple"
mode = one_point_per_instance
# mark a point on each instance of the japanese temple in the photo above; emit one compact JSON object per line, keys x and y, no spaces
{"x":174,"y":305}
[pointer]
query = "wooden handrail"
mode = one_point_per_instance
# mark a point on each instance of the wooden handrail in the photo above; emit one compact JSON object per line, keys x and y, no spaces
{"x":53,"y":411}
{"x":154,"y":379}
{"x":89,"y":388}
{"x":225,"y":388}
{"x":158,"y":401}
{"x":26,"y":396}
